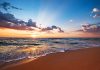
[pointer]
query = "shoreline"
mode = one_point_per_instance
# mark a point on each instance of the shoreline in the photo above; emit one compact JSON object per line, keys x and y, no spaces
{"x":63,"y":59}
{"x":28,"y":59}
{"x":15,"y":63}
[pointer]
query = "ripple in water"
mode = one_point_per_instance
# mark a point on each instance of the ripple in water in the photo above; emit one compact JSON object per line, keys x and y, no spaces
{"x":12,"y":49}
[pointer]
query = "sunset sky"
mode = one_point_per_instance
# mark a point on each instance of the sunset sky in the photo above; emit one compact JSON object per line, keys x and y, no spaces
{"x":49,"y":18}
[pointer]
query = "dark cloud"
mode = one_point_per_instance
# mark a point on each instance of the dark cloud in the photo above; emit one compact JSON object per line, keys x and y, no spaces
{"x":6,"y":6}
{"x":7,"y":17}
{"x":10,"y":21}
{"x":52,"y":27}
{"x":31,"y":23}
{"x":16,"y":8}
{"x":92,"y":28}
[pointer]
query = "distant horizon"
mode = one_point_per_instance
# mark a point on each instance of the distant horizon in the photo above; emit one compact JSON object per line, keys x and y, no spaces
{"x":45,"y":38}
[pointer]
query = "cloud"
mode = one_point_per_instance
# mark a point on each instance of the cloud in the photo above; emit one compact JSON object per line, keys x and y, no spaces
{"x":92,"y":28}
{"x":31,"y":23}
{"x":95,"y":10}
{"x":6,"y":6}
{"x":7,"y":17}
{"x":96,"y":13}
{"x":8,"y":20}
{"x":96,"y":16}
{"x":52,"y":28}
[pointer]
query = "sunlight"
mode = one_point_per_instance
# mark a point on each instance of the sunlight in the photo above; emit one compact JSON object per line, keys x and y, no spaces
{"x":43,"y":19}
{"x":34,"y":35}
{"x":46,"y":18}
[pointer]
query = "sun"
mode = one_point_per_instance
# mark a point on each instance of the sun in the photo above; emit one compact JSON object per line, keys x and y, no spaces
{"x":34,"y":35}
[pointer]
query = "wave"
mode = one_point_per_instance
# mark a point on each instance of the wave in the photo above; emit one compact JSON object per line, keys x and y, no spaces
{"x":17,"y":49}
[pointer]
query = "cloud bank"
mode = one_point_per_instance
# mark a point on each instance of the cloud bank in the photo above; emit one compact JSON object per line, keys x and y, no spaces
{"x":8,"y":20}
{"x":91,"y":27}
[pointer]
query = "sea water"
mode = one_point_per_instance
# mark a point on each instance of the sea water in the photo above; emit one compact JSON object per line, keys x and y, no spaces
{"x":12,"y":49}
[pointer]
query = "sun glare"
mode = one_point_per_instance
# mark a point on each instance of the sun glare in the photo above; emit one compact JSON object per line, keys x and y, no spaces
{"x":46,"y":18}
{"x":34,"y":35}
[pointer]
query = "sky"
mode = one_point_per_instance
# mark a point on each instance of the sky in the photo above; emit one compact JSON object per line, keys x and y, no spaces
{"x":54,"y":18}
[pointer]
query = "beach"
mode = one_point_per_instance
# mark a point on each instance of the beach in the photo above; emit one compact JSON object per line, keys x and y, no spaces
{"x":80,"y":59}
{"x":49,"y":34}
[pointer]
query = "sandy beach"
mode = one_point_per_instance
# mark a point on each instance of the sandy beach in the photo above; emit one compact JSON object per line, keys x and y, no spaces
{"x":82,"y":59}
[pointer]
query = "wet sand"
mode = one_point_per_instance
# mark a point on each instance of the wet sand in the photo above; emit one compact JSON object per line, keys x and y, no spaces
{"x":81,"y":59}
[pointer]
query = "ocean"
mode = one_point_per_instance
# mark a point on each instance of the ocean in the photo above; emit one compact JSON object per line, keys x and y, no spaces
{"x":12,"y":49}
